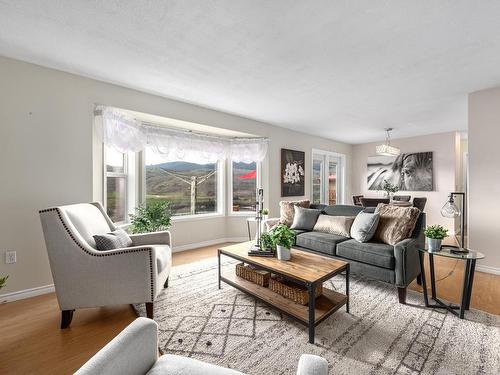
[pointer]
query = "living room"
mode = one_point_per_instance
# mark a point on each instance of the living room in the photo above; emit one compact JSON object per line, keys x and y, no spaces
{"x":234,"y":114}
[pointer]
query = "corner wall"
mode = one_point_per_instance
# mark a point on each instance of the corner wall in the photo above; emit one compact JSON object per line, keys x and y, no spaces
{"x":46,"y":119}
{"x":444,"y":151}
{"x":484,"y":176}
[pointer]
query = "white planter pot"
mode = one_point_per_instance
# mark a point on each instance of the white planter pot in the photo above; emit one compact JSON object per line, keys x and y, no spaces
{"x":433,"y":244}
{"x":283,"y":253}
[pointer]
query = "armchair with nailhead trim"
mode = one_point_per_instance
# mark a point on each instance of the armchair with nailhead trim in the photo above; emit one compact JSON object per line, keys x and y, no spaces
{"x":86,"y":277}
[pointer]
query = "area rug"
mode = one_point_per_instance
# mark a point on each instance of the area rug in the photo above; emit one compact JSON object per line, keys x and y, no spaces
{"x":379,"y":336}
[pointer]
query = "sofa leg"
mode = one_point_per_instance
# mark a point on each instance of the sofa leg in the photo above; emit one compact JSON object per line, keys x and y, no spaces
{"x":419,"y":279}
{"x":166,"y":283}
{"x":66,"y":318}
{"x":149,"y":310}
{"x":402,"y":295}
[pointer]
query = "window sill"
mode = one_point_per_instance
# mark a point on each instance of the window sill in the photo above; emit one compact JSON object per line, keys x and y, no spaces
{"x":242,"y":214}
{"x":196,"y":217}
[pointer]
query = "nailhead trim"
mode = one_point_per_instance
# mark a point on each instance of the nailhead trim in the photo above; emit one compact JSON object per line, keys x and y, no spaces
{"x":148,"y":249}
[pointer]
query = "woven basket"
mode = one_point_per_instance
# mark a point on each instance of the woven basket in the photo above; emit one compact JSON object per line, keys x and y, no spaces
{"x":259,"y":277}
{"x":288,"y":289}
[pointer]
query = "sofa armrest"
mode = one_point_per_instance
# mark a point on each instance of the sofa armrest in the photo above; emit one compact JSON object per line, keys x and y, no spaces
{"x":312,"y":365}
{"x":154,"y":238}
{"x":407,"y":261}
{"x":133,"y":351}
{"x":270,"y":222}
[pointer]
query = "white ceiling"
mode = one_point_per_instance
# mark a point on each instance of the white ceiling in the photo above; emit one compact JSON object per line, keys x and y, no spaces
{"x":338,"y":69}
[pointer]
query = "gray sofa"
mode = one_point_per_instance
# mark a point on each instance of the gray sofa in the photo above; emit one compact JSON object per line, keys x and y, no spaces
{"x":135,"y":352}
{"x":398,"y":264}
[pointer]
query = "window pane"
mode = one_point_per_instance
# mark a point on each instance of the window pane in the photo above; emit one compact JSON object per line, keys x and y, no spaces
{"x":244,"y":186}
{"x":115,"y":161}
{"x":332,"y":183}
{"x":190,"y":187}
{"x":116,"y":198}
{"x":316,"y":194}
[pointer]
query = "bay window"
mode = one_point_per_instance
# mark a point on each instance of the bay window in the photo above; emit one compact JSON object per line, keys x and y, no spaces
{"x":115,"y":185}
{"x":244,"y":182}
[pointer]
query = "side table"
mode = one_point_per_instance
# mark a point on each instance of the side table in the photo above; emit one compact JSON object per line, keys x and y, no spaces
{"x":470,"y":265}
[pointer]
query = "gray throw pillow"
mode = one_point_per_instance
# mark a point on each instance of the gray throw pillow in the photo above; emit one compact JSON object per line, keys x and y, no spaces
{"x":305,"y":218}
{"x":364,"y":226}
{"x":112,"y":240}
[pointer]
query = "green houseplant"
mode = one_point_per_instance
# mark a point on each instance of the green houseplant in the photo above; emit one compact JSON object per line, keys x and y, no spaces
{"x":283,"y":238}
{"x":435,"y":234}
{"x":389,"y":188}
{"x":3,"y":281}
{"x":266,"y":242}
{"x":150,"y":217}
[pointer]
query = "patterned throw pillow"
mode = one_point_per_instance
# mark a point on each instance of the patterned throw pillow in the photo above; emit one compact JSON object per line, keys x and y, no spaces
{"x":339,"y":225}
{"x":112,"y":240}
{"x":287,"y":210}
{"x":395,"y":223}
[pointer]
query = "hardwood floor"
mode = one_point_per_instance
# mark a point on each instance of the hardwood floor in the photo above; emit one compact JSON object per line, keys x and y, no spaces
{"x":31,"y":341}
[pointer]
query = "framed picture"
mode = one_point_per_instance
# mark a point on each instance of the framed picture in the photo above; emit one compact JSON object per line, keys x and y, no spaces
{"x":293,"y":174}
{"x":409,"y":172}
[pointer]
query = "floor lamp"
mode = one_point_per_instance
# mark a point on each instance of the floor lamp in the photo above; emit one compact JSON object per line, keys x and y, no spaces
{"x":450,"y":210}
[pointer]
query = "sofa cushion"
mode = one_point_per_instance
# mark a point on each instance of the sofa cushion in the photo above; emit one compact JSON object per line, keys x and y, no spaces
{"x":287,"y":210}
{"x":322,"y":242}
{"x":170,"y":364}
{"x":395,"y":223}
{"x":305,"y":218}
{"x":340,"y":225}
{"x":364,"y":226}
{"x":374,"y":253}
{"x":163,"y":257}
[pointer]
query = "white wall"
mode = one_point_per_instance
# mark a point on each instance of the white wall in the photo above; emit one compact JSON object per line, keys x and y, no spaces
{"x":46,"y":157}
{"x":443,"y":147}
{"x":484,"y":176}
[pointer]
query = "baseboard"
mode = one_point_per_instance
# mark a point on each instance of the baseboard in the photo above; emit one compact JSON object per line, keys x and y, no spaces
{"x":192,"y":246}
{"x":488,"y":269}
{"x":27,"y":293}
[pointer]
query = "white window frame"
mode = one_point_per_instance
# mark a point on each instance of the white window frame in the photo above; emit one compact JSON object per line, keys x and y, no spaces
{"x":220,"y":192}
{"x":341,"y":165}
{"x":123,"y":174}
{"x":229,"y":166}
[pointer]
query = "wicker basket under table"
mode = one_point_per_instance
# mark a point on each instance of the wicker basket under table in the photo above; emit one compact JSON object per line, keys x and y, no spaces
{"x":288,"y":289}
{"x":259,"y":277}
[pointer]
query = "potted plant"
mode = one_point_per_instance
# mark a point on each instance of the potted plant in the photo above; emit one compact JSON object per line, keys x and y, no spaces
{"x":150,"y":217}
{"x":266,"y":242}
{"x":389,"y":188}
{"x":265,"y":213}
{"x":3,"y":281}
{"x":283,"y":238}
{"x":434,"y":235}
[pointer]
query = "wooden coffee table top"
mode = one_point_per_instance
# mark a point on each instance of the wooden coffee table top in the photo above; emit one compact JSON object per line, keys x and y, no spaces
{"x":303,"y":266}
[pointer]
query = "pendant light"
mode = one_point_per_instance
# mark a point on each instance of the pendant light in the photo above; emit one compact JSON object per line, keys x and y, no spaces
{"x":386,"y":149}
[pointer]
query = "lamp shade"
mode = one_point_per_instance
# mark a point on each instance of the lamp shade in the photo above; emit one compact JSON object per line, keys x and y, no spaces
{"x":450,"y":210}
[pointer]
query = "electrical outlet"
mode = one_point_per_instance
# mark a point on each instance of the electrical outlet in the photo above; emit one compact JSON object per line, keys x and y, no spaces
{"x":10,"y":257}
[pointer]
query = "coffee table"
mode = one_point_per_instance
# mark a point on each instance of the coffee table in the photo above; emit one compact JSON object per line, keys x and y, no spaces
{"x":305,"y":269}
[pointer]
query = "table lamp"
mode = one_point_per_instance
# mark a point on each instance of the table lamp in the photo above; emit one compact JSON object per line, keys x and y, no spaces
{"x":451,"y":210}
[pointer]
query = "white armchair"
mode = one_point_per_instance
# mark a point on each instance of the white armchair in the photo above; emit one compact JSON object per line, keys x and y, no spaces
{"x":86,"y":277}
{"x":135,"y":352}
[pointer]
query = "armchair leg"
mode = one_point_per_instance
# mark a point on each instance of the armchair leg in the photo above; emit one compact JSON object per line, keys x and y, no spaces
{"x":402,"y":295}
{"x":419,"y":279}
{"x":166,"y":283}
{"x":149,"y":310}
{"x":66,"y":317}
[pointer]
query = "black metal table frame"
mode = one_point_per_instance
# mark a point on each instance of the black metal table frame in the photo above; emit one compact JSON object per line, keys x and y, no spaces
{"x":311,"y":288}
{"x":470,"y":266}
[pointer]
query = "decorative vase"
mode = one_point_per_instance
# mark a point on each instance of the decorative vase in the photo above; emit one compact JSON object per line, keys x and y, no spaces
{"x":283,"y":253}
{"x":433,"y":244}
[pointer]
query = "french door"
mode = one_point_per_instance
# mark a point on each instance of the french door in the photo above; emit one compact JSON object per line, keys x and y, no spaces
{"x":327,"y":178}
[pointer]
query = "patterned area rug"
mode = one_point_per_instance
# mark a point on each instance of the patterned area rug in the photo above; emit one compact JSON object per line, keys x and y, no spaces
{"x":380,"y":336}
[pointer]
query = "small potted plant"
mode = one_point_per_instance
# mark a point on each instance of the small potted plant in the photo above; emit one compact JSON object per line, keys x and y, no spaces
{"x":265,"y":213}
{"x":283,"y":238}
{"x":389,"y":188}
{"x":434,"y":235}
{"x":3,"y":281}
{"x":266,"y":242}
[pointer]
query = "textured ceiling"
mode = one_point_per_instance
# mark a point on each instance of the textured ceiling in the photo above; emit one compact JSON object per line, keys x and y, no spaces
{"x":338,"y":69}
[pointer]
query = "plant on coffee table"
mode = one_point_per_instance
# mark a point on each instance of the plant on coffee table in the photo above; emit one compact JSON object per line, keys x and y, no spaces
{"x":283,"y":238}
{"x":266,"y":242}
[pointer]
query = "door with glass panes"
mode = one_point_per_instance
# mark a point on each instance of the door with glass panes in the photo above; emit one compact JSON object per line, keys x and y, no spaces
{"x":326,"y":178}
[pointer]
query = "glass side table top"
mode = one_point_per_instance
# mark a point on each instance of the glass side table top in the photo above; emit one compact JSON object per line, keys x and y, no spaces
{"x":447,"y":252}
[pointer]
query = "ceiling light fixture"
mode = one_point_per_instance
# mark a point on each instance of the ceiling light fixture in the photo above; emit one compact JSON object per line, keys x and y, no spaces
{"x":386,"y":149}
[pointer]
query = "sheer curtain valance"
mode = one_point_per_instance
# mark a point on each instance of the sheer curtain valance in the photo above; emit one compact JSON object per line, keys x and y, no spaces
{"x":126,"y":134}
